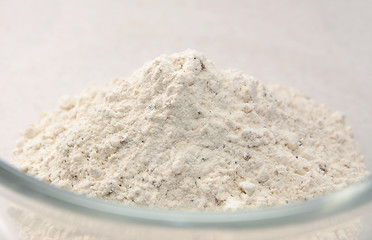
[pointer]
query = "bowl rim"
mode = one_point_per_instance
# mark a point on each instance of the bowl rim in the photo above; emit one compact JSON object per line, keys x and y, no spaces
{"x":351,"y":197}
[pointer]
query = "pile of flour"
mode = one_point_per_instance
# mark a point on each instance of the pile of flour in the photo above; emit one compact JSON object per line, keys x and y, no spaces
{"x":180,"y":133}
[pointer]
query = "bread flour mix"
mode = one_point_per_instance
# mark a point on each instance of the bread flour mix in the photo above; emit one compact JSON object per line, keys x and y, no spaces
{"x":181,"y":133}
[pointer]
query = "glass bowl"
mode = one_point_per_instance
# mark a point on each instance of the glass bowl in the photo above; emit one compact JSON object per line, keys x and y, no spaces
{"x":51,"y":49}
{"x":35,"y":210}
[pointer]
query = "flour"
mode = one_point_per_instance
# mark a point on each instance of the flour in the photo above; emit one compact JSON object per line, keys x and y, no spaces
{"x":180,"y":133}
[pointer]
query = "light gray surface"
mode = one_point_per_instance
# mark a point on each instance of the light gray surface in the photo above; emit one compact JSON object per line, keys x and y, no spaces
{"x":52,"y":48}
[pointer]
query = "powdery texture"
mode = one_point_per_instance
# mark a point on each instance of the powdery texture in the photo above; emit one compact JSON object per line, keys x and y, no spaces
{"x":180,"y":133}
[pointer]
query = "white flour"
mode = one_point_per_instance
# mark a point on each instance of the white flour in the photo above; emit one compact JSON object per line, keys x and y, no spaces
{"x":180,"y":133}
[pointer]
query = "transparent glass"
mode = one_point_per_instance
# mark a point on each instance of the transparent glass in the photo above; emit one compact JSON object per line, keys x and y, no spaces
{"x":50,"y":49}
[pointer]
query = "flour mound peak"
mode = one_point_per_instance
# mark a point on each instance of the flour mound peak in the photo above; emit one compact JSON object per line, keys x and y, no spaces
{"x":181,"y":133}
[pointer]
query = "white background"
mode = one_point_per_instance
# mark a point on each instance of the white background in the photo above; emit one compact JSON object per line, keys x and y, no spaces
{"x":52,"y":48}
